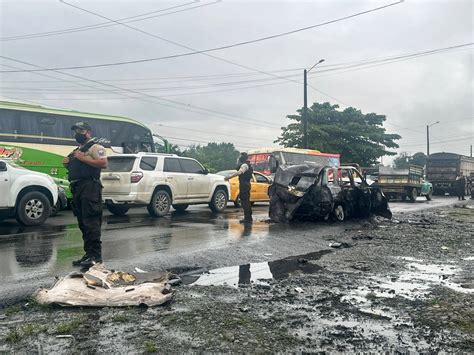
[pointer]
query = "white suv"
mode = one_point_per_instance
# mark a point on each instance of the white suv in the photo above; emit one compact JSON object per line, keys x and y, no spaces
{"x":26,"y":195}
{"x":160,"y":181}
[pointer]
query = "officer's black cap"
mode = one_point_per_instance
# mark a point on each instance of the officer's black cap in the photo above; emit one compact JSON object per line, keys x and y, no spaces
{"x":82,"y":125}
{"x":244,"y":155}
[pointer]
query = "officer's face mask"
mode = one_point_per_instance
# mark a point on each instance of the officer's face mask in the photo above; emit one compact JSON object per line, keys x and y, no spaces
{"x":81,"y":138}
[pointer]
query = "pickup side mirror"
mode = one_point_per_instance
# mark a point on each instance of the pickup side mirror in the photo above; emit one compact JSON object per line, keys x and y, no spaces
{"x":205,"y":171}
{"x":3,"y":166}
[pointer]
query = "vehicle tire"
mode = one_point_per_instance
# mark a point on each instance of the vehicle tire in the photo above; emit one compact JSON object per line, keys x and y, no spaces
{"x":413,"y":194}
{"x":339,"y":213}
{"x":33,"y":209}
{"x":118,"y":210}
{"x":219,"y":200}
{"x":160,"y":204}
{"x":180,"y":208}
{"x":429,"y":195}
{"x":237,"y":202}
{"x":56,"y":208}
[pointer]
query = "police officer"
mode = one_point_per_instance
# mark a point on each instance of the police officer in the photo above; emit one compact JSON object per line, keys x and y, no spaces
{"x":84,"y":165}
{"x":244,"y":172}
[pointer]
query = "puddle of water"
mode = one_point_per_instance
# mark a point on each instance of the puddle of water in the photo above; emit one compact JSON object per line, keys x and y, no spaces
{"x":258,"y":273}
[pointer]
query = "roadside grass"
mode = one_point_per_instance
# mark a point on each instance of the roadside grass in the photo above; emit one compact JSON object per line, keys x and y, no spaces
{"x":68,"y":327}
{"x":11,"y":310}
{"x":464,"y":213}
{"x":150,"y":347}
{"x":18,"y":334}
{"x":120,"y":318}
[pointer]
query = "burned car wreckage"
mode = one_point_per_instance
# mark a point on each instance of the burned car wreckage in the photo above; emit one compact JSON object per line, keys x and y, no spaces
{"x":311,"y":191}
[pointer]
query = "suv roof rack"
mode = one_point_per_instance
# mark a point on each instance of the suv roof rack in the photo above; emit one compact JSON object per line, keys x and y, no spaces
{"x":149,"y":153}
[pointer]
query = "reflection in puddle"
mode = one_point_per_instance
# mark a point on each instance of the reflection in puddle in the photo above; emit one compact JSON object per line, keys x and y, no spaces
{"x":257,"y":273}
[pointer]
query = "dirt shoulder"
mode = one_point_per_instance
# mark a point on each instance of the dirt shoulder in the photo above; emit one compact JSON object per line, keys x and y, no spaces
{"x":398,"y":286}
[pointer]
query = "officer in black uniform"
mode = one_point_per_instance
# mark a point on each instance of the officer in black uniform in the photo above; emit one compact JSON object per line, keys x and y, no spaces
{"x":244,"y":172}
{"x":84,"y":165}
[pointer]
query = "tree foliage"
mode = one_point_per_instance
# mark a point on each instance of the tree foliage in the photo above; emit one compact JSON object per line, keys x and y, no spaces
{"x":403,"y":160}
{"x":214,"y":156}
{"x":359,"y":138}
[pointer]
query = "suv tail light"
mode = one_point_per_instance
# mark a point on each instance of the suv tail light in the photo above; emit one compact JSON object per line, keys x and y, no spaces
{"x":136,"y":176}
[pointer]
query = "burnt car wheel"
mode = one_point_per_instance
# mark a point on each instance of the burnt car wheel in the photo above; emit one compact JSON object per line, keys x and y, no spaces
{"x":339,"y":213}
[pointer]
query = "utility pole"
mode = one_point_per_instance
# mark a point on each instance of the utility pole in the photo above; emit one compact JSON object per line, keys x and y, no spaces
{"x":305,"y":105}
{"x":428,"y":138}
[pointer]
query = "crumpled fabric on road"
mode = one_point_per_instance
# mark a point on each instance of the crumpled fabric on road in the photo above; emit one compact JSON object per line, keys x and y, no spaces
{"x":100,"y":287}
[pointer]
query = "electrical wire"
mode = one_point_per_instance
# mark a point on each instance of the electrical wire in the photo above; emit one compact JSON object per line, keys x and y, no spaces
{"x":216,"y":48}
{"x":135,"y":18}
{"x":181,"y":106}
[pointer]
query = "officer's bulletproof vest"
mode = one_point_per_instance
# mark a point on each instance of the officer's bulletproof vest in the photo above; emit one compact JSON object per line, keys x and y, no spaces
{"x":79,"y":170}
{"x":246,"y":177}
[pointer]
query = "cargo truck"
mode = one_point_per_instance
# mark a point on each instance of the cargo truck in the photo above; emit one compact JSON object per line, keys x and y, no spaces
{"x":442,"y":169}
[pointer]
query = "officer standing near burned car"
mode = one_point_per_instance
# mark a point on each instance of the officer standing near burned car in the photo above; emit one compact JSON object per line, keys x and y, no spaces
{"x":84,"y":165}
{"x":244,"y":172}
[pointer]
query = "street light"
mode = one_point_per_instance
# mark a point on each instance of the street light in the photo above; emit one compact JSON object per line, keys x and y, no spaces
{"x":428,"y":137}
{"x":305,"y":108}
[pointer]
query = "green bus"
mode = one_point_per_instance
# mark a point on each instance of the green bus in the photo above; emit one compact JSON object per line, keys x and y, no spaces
{"x":38,"y":138}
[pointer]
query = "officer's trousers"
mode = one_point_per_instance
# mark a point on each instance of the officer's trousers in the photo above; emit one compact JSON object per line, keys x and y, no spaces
{"x":87,"y":207}
{"x":245,"y":202}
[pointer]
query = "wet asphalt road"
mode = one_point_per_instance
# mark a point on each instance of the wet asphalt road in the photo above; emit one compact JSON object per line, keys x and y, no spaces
{"x":31,"y":257}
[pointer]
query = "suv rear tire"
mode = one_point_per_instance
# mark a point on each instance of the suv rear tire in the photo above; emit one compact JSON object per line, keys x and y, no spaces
{"x":118,"y":210}
{"x":33,"y":209}
{"x":219,"y":200}
{"x":160,"y":204}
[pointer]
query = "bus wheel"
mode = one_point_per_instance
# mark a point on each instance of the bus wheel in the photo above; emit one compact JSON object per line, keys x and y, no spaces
{"x":33,"y":209}
{"x":118,"y":210}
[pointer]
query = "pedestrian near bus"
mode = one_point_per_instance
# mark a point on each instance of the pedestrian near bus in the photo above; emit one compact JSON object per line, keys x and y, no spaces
{"x":84,"y":165}
{"x":460,"y":186}
{"x":245,"y":173}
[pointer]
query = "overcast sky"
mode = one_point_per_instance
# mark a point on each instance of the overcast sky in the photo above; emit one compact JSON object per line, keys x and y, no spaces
{"x":411,"y":93}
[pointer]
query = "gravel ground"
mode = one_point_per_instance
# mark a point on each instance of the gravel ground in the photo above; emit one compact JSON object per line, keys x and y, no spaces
{"x":399,"y":286}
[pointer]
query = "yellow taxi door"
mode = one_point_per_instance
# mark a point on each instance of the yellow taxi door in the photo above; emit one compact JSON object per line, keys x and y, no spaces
{"x":260,"y":186}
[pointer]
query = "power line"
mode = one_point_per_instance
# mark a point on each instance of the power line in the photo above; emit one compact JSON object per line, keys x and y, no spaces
{"x":135,"y":18}
{"x":185,"y":108}
{"x":216,"y":48}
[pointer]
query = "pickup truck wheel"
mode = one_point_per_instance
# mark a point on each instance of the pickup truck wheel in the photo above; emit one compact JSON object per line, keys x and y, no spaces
{"x":219,"y":200}
{"x":118,"y":210}
{"x":33,"y":209}
{"x":160,"y":204}
{"x":429,"y":194}
{"x":413,"y":194}
{"x":339,"y":213}
{"x":180,"y":208}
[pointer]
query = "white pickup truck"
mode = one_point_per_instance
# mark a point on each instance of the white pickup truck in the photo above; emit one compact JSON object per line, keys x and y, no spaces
{"x":26,"y":195}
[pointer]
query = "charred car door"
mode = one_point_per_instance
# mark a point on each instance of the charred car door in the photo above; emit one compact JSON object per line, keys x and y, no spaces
{"x":356,"y":195}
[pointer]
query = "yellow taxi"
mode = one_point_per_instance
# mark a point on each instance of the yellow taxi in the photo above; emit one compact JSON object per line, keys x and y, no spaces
{"x":258,"y":191}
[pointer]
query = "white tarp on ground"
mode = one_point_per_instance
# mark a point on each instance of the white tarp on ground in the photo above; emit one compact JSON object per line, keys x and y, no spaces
{"x":95,"y":289}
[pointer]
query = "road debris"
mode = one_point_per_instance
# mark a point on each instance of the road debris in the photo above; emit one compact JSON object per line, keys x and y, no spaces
{"x":100,"y":287}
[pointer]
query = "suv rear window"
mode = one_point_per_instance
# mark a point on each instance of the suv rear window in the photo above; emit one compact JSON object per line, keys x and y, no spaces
{"x":120,"y":164}
{"x":148,"y":163}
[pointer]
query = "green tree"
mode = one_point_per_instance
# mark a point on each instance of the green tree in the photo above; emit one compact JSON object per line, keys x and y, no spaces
{"x":214,"y":156}
{"x":403,"y":160}
{"x":419,"y":159}
{"x":359,"y":138}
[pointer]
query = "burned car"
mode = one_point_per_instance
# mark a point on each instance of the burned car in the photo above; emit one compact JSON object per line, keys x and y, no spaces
{"x":311,"y":191}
